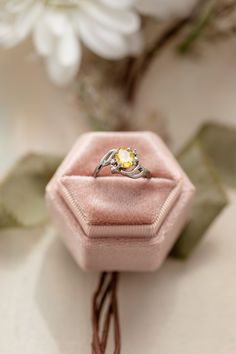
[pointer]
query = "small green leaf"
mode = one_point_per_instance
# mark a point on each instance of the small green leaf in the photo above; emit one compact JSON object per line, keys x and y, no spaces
{"x":210,"y":196}
{"x":219,"y":143}
{"x":199,"y":25}
{"x":22,"y":191}
{"x":6,"y":220}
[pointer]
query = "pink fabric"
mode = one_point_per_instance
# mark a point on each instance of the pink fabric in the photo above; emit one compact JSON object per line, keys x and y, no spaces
{"x":113,"y":222}
{"x":132,"y":206}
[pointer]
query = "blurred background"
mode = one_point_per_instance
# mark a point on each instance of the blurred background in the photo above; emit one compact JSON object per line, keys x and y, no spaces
{"x":178,"y":72}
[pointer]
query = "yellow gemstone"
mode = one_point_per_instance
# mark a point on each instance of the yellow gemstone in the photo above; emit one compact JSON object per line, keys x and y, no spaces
{"x":125,"y":157}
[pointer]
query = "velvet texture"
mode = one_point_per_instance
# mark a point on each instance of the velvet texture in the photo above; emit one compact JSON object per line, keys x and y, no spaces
{"x":113,"y":222}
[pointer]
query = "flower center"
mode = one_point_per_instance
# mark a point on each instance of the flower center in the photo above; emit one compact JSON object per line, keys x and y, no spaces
{"x":125,"y":157}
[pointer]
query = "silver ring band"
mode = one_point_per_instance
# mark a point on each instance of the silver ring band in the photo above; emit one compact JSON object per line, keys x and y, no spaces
{"x":123,"y":161}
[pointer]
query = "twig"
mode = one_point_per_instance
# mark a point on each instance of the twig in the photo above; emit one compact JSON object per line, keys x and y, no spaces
{"x":138,"y":68}
{"x":106,"y":291}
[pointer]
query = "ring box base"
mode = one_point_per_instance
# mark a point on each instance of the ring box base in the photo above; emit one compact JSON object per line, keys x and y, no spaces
{"x":113,"y":222}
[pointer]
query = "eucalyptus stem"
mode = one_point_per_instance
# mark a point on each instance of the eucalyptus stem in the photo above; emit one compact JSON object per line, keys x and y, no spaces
{"x":200,"y":24}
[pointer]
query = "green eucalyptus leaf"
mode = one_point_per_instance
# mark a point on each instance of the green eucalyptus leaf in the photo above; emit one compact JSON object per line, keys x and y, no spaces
{"x":22,"y":191}
{"x":219,"y":143}
{"x":6,"y":220}
{"x":201,"y":21}
{"x":210,"y":196}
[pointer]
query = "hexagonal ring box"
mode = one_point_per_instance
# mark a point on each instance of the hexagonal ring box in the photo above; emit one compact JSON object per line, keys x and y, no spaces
{"x":113,"y":222}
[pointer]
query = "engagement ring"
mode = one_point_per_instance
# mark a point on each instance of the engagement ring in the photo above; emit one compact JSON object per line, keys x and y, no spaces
{"x":123,"y":161}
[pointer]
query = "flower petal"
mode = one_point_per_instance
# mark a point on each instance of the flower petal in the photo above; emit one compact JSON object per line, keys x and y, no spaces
{"x":15,"y":6}
{"x":68,"y":48}
{"x":107,"y":44}
{"x":43,"y":38}
{"x":11,"y":33}
{"x":63,"y":63}
{"x":118,"y":4}
{"x":57,"y":21}
{"x":59,"y":74}
{"x":27,"y":19}
{"x":123,"y":21}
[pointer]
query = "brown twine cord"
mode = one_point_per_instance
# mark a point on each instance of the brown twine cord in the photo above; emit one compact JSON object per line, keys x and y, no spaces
{"x":105,"y":302}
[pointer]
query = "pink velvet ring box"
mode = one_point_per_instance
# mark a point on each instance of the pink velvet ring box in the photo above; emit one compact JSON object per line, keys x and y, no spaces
{"x":113,"y":222}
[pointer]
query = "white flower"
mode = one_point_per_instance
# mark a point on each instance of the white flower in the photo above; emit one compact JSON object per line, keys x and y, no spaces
{"x":105,"y":26}
{"x":165,"y":9}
